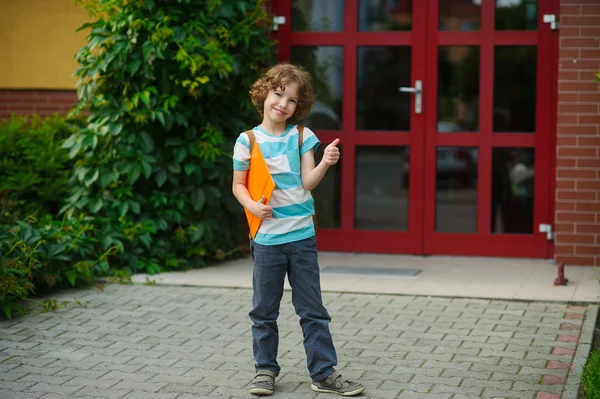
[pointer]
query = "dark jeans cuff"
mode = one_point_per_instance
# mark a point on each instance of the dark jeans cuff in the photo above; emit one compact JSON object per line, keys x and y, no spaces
{"x":321,"y":375}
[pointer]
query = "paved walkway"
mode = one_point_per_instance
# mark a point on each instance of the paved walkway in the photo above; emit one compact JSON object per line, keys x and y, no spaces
{"x":150,"y":341}
{"x":471,"y":277}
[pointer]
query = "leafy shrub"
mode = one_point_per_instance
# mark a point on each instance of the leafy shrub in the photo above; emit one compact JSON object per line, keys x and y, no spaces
{"x":165,"y":85}
{"x":39,"y":257}
{"x":34,"y":170}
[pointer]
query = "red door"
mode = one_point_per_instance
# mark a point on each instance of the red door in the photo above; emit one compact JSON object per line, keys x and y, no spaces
{"x":443,"y":113}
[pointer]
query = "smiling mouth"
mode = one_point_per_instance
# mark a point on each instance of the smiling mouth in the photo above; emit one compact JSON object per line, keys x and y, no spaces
{"x":279,"y":112}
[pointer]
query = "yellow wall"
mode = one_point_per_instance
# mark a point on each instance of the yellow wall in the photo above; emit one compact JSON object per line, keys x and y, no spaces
{"x":38,"y":43}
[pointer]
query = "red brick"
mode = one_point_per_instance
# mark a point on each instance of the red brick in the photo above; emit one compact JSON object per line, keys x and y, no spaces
{"x":570,"y":31}
{"x":589,"y":141}
{"x":566,"y":98}
{"x":575,"y":238}
{"x":565,"y":249}
{"x":576,"y":195}
{"x":571,"y":53}
{"x":547,"y":395}
{"x":589,"y":119}
{"x":588,"y":163}
{"x":567,"y":338}
{"x":576,"y":260}
{"x":568,"y":75}
{"x":579,"y":42}
{"x":565,"y":184}
{"x":590,"y":9}
{"x":555,"y":364}
{"x":590,"y":31}
{"x":587,"y":250}
{"x":579,"y":64}
{"x":570,"y":326}
{"x":566,"y":141}
{"x":574,"y":316}
{"x":567,"y":119}
{"x":578,"y":20}
{"x":590,"y":86}
{"x":576,"y":152}
{"x":563,"y":351}
{"x":593,"y":54}
{"x":590,"y":97}
{"x":564,"y":227}
{"x":553,"y":380}
{"x":575,"y":308}
{"x":588,"y":228}
{"x":589,"y":185}
{"x":569,"y":9}
{"x":566,"y":162}
{"x":577,"y":130}
{"x":565,"y":206}
{"x":577,"y":173}
{"x":575,"y":217}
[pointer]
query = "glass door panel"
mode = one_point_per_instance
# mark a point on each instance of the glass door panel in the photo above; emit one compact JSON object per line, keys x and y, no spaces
{"x":379,"y":104}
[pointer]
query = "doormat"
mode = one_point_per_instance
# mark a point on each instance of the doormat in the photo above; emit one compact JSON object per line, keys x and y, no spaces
{"x":371,"y":271}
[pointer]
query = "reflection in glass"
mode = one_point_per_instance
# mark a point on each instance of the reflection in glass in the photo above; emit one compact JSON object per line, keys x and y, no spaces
{"x":460,"y":15}
{"x":456,"y":190}
{"x":387,"y":15}
{"x":458,"y":89}
{"x":379,"y":104}
{"x":515,"y":73}
{"x":381,"y":188}
{"x":516,"y":14}
{"x":317,"y":16}
{"x":513,"y":190}
{"x":325,"y":64}
{"x":327,"y":195}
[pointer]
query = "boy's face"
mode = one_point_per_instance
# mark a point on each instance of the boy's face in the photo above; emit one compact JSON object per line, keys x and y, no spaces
{"x":281,"y":103}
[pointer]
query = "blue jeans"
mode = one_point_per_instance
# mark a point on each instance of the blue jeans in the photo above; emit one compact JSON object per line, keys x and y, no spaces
{"x":299,"y":260}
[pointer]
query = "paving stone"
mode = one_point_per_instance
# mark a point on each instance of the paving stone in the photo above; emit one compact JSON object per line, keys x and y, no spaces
{"x":193,"y":342}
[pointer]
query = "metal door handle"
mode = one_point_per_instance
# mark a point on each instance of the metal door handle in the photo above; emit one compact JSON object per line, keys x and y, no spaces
{"x":418,"y":90}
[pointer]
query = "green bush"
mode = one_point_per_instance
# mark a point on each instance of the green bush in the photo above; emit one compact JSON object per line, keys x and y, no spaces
{"x":165,"y":87}
{"x":34,"y":170}
{"x":38,"y":257}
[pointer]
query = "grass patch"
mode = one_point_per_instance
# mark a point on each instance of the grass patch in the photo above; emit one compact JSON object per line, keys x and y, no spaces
{"x":590,"y":380}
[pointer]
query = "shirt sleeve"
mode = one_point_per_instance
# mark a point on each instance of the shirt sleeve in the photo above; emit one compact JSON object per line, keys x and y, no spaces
{"x":311,"y":142}
{"x":241,"y":153}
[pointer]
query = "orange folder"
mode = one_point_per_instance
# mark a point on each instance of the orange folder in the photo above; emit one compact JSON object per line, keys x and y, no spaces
{"x":260,"y":184}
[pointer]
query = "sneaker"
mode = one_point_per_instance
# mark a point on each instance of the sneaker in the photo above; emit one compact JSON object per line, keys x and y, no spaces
{"x":335,"y":383}
{"x":263,"y":383}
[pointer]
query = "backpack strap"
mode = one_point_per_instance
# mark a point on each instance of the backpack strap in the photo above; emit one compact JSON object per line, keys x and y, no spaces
{"x":300,"y":141}
{"x":251,"y":139}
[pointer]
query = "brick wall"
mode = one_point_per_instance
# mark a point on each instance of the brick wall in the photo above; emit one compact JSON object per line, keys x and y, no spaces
{"x":40,"y":102}
{"x":578,"y":135}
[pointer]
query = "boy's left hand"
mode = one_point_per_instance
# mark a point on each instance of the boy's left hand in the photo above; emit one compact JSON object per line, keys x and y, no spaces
{"x":331,"y":155}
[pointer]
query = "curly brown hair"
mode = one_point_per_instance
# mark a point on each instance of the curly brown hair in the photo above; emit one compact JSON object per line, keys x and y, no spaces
{"x":276,"y":77}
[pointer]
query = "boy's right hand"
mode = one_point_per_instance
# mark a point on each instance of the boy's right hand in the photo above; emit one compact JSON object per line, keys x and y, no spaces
{"x":264,"y":212}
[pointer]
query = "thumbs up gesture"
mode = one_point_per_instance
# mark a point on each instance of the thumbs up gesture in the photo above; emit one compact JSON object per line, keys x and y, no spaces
{"x":264,"y":212}
{"x":332,"y":153}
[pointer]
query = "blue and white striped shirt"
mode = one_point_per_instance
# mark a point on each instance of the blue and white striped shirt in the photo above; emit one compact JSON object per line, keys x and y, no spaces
{"x":293,"y":206}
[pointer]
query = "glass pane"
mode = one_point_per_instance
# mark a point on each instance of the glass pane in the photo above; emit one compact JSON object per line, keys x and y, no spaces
{"x":317,"y":16}
{"x":381,"y":188}
{"x":387,"y":15}
{"x":457,"y":15}
{"x":379,"y":104}
{"x":458,"y":89}
{"x":325,"y":64}
{"x":456,"y":190}
{"x":515,"y":74}
{"x":516,"y":14}
{"x":327,"y":195}
{"x":512,"y":190}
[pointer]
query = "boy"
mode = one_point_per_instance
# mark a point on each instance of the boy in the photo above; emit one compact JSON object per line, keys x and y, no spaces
{"x":285,"y":241}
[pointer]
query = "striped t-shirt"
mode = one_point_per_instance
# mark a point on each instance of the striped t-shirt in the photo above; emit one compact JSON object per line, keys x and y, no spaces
{"x":293,"y":206}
